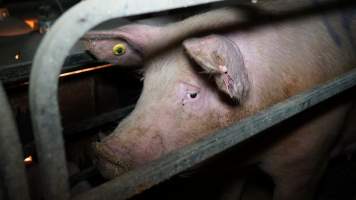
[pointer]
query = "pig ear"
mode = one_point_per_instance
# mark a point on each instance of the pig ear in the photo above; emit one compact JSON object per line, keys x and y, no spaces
{"x":125,"y":46}
{"x":221,"y":57}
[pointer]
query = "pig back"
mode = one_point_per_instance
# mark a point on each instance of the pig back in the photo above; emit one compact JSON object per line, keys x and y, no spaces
{"x":286,"y":57}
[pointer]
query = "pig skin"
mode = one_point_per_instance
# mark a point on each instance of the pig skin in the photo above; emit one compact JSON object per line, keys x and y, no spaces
{"x":180,"y":105}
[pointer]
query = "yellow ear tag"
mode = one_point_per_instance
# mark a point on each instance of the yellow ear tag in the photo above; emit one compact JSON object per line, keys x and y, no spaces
{"x":119,"y":49}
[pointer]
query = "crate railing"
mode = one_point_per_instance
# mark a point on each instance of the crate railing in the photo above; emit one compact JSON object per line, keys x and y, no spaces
{"x":12,"y":169}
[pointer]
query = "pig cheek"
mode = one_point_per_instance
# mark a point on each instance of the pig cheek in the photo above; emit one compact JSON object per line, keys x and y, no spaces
{"x":193,"y":120}
{"x":152,"y":148}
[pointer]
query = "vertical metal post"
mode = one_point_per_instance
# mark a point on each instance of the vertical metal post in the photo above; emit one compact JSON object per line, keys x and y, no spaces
{"x":1,"y":189}
{"x":11,"y":163}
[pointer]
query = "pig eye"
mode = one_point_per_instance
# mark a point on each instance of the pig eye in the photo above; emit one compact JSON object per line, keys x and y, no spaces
{"x":189,"y":93}
{"x":119,"y":49}
{"x":193,"y":95}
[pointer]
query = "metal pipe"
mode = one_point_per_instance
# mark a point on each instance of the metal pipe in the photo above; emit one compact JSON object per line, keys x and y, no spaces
{"x":136,"y":181}
{"x":11,"y":163}
{"x":46,"y":67}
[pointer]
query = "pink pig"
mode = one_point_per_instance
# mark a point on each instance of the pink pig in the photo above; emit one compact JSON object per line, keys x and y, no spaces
{"x":207,"y":72}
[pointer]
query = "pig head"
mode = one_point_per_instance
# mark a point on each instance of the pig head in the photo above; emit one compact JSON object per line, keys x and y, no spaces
{"x":180,"y":103}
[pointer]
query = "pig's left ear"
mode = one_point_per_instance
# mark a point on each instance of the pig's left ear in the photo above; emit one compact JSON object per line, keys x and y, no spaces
{"x":221,"y":57}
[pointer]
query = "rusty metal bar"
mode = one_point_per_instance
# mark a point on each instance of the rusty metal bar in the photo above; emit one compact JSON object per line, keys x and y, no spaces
{"x":46,"y":67}
{"x":141,"y":179}
{"x":11,"y":163}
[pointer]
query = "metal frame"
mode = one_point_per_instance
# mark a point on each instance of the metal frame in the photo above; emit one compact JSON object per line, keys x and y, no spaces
{"x":11,"y":163}
{"x":46,"y":68}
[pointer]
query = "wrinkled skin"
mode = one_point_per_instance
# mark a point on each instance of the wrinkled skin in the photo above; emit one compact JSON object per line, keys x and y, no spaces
{"x":204,"y":83}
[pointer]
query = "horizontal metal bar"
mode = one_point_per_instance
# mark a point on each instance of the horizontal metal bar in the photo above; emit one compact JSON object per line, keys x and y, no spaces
{"x":12,"y":167}
{"x":11,"y":74}
{"x":100,"y":120}
{"x":138,"y":180}
{"x":46,"y":67}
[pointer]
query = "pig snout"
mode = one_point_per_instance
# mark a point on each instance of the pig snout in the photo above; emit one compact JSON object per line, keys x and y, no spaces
{"x":127,"y":149}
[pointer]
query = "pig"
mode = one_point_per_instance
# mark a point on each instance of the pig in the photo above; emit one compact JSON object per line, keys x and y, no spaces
{"x":213,"y":69}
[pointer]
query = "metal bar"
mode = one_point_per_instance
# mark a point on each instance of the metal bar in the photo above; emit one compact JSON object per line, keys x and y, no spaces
{"x":20,"y":72}
{"x":46,"y":67}
{"x":100,"y":120}
{"x":11,"y":162}
{"x":138,"y":180}
{"x":1,"y":189}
